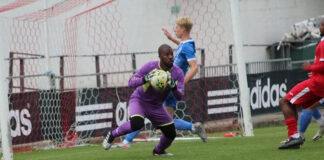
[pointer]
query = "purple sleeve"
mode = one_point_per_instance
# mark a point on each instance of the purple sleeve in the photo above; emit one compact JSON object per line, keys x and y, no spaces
{"x":179,"y":91}
{"x":137,"y":78}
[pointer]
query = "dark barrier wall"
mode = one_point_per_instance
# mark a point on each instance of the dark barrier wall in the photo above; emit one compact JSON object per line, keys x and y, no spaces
{"x":115,"y":97}
{"x":266,"y":89}
{"x":49,"y":114}
{"x":25,"y":117}
{"x":207,"y":98}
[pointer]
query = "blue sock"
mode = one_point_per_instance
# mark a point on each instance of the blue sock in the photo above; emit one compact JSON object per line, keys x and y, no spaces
{"x":304,"y":120}
{"x":182,"y":125}
{"x":129,"y":137}
{"x":316,"y":113}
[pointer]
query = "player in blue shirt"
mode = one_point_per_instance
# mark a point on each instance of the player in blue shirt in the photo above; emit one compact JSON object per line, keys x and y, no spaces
{"x":306,"y":118}
{"x":185,"y":58}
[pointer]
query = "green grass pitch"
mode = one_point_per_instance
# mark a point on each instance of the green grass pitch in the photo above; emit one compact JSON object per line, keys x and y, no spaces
{"x":262,"y":146}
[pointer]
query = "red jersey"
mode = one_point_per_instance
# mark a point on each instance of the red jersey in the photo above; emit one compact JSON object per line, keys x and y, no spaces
{"x":317,"y":69}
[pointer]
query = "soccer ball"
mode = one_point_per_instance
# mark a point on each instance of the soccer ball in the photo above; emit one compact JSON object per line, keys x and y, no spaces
{"x":159,"y":80}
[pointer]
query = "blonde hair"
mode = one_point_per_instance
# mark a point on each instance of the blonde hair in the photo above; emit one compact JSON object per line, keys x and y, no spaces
{"x":185,"y":22}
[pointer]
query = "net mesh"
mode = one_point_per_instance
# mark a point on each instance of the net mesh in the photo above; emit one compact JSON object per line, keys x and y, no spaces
{"x":15,"y":4}
{"x":69,"y":66}
{"x":211,"y":32}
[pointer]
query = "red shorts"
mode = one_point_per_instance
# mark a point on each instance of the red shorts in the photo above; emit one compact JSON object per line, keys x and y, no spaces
{"x":301,"y":95}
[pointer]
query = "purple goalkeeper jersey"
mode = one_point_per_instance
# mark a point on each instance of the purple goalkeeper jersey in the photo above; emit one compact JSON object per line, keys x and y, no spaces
{"x":146,"y":93}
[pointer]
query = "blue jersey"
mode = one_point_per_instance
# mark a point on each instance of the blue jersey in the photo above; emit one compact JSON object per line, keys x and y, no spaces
{"x":185,"y":52}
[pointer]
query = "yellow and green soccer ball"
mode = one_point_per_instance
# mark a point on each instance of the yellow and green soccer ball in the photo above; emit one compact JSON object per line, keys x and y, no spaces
{"x":159,"y":80}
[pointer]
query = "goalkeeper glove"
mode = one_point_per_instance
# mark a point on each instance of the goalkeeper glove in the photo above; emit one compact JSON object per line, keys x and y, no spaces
{"x":148,"y":76}
{"x":172,"y":84}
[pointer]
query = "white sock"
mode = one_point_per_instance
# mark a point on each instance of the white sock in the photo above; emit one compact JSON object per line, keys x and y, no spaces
{"x":296,"y":135}
{"x":126,"y":142}
{"x":301,"y":134}
{"x":320,"y":121}
{"x":193,"y":128}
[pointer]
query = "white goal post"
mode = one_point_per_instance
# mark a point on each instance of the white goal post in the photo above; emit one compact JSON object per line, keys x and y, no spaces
{"x":241,"y":67}
{"x":6,"y":143}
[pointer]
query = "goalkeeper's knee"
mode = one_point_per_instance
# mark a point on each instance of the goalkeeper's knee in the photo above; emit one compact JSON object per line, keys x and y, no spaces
{"x":137,"y":123}
{"x":169,"y":131}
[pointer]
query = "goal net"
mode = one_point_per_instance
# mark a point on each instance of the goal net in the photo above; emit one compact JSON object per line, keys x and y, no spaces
{"x":218,"y":100}
{"x":68,"y":63}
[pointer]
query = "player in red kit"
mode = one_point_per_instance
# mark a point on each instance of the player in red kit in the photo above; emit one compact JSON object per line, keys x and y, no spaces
{"x":304,"y":94}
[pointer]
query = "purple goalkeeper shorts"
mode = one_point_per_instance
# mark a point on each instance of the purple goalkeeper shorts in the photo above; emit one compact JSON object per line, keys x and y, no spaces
{"x":156,"y":114}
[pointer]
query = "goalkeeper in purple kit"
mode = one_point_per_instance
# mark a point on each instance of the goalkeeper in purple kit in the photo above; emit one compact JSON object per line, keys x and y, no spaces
{"x":185,"y":58}
{"x":146,"y":102}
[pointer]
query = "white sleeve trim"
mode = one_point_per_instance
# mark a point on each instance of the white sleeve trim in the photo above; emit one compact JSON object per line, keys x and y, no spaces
{"x":321,"y":59}
{"x":190,"y":40}
{"x":191,"y":59}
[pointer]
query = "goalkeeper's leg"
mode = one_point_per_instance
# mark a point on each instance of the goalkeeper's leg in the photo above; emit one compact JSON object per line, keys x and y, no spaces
{"x":166,"y":140}
{"x":129,"y":139}
{"x":136,"y":123}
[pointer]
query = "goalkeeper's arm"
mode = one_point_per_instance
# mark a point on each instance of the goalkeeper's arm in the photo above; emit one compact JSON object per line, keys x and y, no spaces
{"x":141,"y":76}
{"x":177,"y":85}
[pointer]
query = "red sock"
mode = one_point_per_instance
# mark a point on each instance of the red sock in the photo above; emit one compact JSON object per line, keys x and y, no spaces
{"x":291,"y":126}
